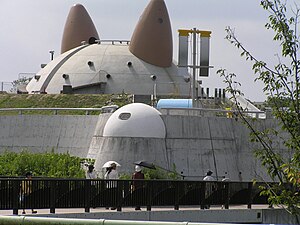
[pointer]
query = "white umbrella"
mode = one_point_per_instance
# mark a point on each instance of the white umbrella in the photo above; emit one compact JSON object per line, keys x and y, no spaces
{"x":108,"y":164}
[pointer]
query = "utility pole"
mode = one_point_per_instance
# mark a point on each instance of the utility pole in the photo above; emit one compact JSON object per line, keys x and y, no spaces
{"x":194,"y":64}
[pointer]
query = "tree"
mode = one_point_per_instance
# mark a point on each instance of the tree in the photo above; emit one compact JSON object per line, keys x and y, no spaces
{"x":282,"y":87}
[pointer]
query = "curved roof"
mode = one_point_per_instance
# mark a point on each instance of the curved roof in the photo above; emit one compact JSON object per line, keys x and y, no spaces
{"x":152,"y":37}
{"x":135,"y":120}
{"x":79,"y":27}
{"x":109,"y":69}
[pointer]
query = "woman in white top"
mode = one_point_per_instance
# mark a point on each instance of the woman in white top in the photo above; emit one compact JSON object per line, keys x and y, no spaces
{"x":90,"y":173}
{"x":111,"y":173}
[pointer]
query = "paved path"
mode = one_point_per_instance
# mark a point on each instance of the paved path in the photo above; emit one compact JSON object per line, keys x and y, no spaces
{"x":125,"y":209}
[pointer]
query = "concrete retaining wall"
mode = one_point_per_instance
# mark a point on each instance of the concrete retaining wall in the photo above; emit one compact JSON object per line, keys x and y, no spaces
{"x":95,"y":145}
{"x":40,"y":133}
{"x":249,"y":216}
{"x":193,"y":143}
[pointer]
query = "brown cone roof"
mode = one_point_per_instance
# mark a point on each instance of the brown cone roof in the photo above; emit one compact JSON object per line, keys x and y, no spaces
{"x":79,"y":27}
{"x":152,"y":37}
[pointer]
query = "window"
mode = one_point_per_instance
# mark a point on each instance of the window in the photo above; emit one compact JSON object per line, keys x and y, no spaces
{"x":124,"y":116}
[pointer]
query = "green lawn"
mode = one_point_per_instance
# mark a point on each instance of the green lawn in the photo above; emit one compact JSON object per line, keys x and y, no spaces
{"x":60,"y":101}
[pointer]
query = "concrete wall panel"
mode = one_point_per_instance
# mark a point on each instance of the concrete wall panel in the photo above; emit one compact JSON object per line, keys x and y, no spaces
{"x":96,"y":143}
{"x":128,"y":150}
{"x":230,"y":216}
{"x":39,"y":133}
{"x":180,"y":127}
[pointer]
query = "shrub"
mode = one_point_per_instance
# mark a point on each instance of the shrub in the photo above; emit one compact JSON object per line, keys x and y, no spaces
{"x":48,"y":164}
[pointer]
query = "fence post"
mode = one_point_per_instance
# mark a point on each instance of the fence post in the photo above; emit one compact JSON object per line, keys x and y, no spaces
{"x":52,"y":195}
{"x":202,"y":195}
{"x":250,"y":186}
{"x":149,"y":195}
{"x":15,"y":196}
{"x":176,"y":206}
{"x":119,"y":195}
{"x":87,"y":192}
{"x":227,"y":197}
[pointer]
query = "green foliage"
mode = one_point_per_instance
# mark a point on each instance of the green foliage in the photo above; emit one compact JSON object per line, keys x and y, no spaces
{"x":47,"y":164}
{"x":281,"y":85}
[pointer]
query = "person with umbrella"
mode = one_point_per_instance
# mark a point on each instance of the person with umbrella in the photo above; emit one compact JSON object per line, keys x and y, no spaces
{"x":111,"y":173}
{"x":145,"y":164}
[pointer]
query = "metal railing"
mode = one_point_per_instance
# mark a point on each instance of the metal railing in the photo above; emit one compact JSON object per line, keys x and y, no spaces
{"x":6,"y":86}
{"x":104,"y":109}
{"x":38,"y":193}
{"x":211,"y":112}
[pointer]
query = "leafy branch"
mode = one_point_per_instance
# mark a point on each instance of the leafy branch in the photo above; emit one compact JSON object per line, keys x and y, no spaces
{"x":282,"y":89}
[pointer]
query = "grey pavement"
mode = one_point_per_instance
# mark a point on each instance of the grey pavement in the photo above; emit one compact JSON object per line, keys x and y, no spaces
{"x":125,"y":209}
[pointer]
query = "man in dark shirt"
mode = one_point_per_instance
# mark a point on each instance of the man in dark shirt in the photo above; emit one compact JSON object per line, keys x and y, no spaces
{"x":137,"y":175}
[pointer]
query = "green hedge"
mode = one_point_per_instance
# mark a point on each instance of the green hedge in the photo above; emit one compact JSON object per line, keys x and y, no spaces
{"x":49,"y":164}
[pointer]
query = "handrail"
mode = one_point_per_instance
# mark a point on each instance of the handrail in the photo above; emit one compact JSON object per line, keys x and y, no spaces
{"x":213,"y":110}
{"x":113,"y":41}
{"x":104,"y":109}
{"x":50,"y":109}
{"x":84,"y":193}
{"x":228,"y":113}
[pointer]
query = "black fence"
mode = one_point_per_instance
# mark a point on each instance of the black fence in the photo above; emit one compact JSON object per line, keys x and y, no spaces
{"x":16,"y":193}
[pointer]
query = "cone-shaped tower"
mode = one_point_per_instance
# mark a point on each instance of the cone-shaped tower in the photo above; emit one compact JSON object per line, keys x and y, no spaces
{"x":152,"y":38}
{"x":79,"y":27}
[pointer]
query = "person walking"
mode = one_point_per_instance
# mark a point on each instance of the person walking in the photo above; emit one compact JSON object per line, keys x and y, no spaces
{"x":112,"y":173}
{"x":208,"y":176}
{"x":91,"y":175}
{"x":209,"y":186}
{"x":136,"y":184}
{"x":26,"y":190}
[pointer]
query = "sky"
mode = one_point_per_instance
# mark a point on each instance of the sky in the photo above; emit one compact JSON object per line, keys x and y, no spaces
{"x":31,"y":28}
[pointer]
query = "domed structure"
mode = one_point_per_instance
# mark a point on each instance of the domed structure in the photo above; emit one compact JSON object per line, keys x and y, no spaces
{"x":133,"y":132}
{"x":113,"y":67}
{"x":135,"y":120}
{"x":106,"y":69}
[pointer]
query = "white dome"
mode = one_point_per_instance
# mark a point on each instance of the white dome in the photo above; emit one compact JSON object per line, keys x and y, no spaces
{"x":135,"y":120}
{"x":107,"y":69}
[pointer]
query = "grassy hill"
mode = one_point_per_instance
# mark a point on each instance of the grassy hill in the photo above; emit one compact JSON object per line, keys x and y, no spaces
{"x":60,"y":101}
